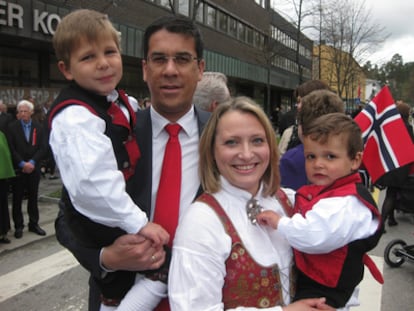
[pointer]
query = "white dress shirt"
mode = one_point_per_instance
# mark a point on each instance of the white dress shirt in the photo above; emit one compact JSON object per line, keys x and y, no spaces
{"x":332,"y":223}
{"x":189,"y":138}
{"x":88,"y":168}
{"x":202,"y":246}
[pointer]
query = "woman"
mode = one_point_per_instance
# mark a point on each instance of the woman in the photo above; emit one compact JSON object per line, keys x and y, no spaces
{"x":222,"y":260}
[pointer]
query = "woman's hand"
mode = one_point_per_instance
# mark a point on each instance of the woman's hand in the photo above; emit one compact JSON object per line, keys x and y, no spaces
{"x":311,"y":304}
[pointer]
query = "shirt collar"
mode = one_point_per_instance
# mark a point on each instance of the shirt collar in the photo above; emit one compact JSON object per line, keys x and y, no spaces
{"x":112,"y":97}
{"x":29,"y":124}
{"x":187,"y":122}
{"x":240,"y":193}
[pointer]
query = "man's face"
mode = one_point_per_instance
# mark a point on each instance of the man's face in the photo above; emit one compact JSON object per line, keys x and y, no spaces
{"x":24,"y":113}
{"x":172,"y":83}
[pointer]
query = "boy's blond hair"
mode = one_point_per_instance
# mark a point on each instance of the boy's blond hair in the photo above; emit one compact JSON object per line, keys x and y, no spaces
{"x":82,"y":24}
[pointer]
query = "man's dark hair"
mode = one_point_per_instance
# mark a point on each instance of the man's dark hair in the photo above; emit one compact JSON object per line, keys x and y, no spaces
{"x":178,"y":25}
{"x":309,"y":86}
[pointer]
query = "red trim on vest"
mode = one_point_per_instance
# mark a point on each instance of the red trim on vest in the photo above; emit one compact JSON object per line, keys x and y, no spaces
{"x":131,"y":145}
{"x":247,"y":283}
{"x":65,"y":103}
{"x":326,"y":268}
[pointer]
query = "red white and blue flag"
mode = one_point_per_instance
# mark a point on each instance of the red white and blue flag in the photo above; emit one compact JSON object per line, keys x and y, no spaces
{"x":387,"y":144}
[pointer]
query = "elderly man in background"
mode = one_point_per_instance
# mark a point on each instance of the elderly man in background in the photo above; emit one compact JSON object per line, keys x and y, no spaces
{"x":27,"y":142}
{"x":211,"y":91}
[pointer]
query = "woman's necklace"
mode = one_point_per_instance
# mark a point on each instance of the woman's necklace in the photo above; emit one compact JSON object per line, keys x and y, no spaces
{"x":253,"y":209}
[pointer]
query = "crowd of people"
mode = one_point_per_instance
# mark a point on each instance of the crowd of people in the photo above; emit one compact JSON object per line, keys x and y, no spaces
{"x":178,"y":201}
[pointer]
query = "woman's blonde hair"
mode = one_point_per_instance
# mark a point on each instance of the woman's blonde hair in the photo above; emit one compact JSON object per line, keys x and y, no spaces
{"x":82,"y":24}
{"x":208,"y":171}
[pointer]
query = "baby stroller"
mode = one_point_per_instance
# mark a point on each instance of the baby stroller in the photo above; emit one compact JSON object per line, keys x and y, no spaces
{"x":398,"y":251}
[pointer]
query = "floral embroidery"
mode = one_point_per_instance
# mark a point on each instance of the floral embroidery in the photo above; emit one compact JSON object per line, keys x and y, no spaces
{"x":247,"y":283}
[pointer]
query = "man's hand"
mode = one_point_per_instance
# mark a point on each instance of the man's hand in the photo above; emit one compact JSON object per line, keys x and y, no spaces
{"x":28,"y":168}
{"x":132,"y":252}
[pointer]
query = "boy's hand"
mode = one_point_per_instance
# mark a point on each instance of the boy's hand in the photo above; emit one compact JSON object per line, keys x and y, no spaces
{"x":154,"y":232}
{"x":268,"y":218}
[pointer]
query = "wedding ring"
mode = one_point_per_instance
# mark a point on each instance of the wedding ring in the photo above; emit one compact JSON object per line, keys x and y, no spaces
{"x":153,"y":258}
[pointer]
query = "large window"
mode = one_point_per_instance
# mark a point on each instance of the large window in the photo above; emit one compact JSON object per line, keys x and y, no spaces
{"x":18,"y":67}
{"x":222,"y":18}
{"x":211,"y":16}
{"x":184,"y":7}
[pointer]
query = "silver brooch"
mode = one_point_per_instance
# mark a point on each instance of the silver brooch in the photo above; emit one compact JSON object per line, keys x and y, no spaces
{"x":253,"y":209}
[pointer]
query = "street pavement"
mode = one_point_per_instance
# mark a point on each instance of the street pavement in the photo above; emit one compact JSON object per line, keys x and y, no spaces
{"x":48,"y":208}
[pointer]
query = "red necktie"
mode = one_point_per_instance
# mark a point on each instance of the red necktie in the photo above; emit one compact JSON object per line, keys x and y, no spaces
{"x":169,"y":189}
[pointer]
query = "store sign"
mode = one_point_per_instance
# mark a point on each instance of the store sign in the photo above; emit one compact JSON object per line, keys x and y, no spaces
{"x":13,"y":15}
{"x":12,"y":95}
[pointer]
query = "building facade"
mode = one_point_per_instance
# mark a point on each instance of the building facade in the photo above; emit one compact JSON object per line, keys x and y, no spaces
{"x":246,"y":40}
{"x":342,"y":73}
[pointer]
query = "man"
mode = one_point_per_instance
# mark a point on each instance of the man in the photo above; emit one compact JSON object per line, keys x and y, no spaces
{"x":211,"y":91}
{"x":173,"y":64}
{"x":28,"y":147}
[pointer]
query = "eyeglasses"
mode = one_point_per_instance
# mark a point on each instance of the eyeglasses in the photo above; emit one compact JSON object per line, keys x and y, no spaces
{"x":182,"y":59}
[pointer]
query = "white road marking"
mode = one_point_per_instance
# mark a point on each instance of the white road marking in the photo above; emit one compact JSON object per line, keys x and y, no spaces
{"x":370,"y":290}
{"x":19,"y":280}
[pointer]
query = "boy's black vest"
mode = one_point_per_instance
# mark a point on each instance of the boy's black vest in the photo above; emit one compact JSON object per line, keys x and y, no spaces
{"x":125,"y":148}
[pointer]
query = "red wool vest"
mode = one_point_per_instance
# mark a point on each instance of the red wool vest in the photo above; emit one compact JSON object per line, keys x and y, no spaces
{"x":326,"y":268}
{"x":247,"y":284}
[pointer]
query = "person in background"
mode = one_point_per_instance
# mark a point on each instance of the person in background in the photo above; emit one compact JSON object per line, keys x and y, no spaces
{"x":5,"y":117}
{"x":146,"y":102}
{"x":91,"y":136}
{"x":336,"y":220}
{"x":27,"y":142}
{"x":211,"y":91}
{"x":6,"y":172}
{"x":49,"y":164}
{"x":313,"y":105}
{"x":221,"y":258}
{"x":397,"y":179}
{"x":173,"y":64}
{"x":290,"y":137}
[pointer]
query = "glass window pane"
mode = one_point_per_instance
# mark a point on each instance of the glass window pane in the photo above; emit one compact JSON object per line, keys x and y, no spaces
{"x":241,"y":31}
{"x":232,"y":27}
{"x":200,"y":12}
{"x":222,"y":21}
{"x":211,"y":16}
{"x":184,"y":7}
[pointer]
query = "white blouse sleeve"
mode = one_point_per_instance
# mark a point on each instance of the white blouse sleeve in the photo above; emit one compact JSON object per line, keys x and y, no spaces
{"x":332,"y":223}
{"x":197,"y":270}
{"x":88,"y":168}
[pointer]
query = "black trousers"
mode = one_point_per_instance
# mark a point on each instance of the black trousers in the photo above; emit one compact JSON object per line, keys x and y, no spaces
{"x":25,"y":184}
{"x":4,"y":207}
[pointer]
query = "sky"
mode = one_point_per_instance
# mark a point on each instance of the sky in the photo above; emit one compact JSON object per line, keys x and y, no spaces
{"x":397,"y":18}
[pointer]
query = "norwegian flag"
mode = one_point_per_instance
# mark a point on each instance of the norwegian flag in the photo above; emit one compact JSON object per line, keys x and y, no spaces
{"x":387,"y":144}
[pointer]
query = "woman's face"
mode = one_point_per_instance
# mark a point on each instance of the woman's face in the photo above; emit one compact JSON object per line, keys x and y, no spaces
{"x":241,"y":150}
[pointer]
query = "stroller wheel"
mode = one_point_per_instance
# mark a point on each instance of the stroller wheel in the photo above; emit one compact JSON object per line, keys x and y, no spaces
{"x":392,"y":256}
